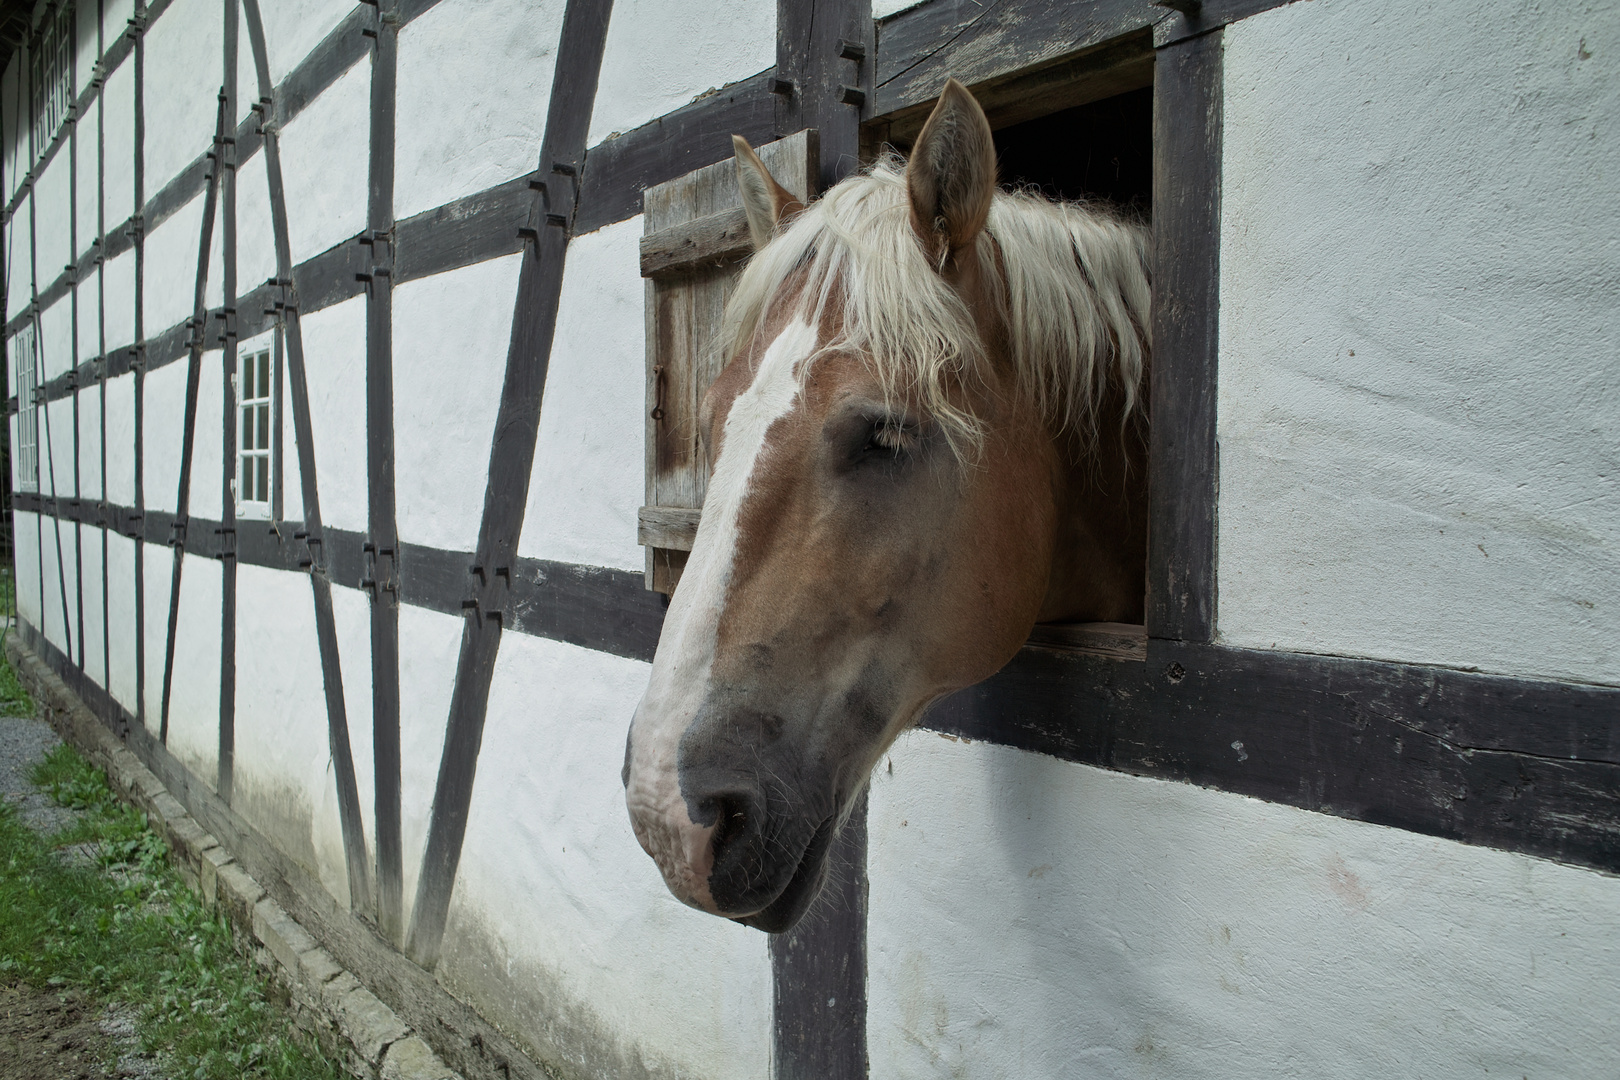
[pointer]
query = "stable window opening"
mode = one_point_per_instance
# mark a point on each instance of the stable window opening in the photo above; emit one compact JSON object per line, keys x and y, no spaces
{"x":51,"y":75}
{"x":255,"y":382}
{"x":25,"y":364}
{"x":1081,"y":130}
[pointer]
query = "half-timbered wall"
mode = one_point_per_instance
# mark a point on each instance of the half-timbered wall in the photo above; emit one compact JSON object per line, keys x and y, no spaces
{"x":1356,"y":813}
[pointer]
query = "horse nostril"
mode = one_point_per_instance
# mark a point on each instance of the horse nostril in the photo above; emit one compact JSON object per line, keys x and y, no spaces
{"x":737,"y":820}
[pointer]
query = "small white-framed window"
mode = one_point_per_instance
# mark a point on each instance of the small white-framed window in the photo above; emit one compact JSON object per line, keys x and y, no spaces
{"x":255,"y":433}
{"x":52,"y":75}
{"x":25,"y":366}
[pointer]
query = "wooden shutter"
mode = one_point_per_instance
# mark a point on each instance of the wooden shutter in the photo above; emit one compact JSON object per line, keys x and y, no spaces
{"x":691,"y":255}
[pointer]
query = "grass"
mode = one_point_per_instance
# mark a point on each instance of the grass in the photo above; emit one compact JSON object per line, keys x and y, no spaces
{"x":125,"y":928}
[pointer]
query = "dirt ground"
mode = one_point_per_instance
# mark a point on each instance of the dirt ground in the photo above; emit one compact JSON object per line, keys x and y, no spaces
{"x":51,"y":1037}
{"x":46,"y":1035}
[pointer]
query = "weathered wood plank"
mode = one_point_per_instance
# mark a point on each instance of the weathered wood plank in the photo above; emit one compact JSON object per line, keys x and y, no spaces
{"x":977,"y":42}
{"x":668,"y":527}
{"x":685,"y":314}
{"x":1121,"y":641}
{"x":709,"y":241}
{"x":1186,"y":274}
{"x":1507,"y":763}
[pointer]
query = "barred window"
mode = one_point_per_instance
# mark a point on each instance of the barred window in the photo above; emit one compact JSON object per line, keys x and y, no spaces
{"x":52,"y":81}
{"x":255,"y":430}
{"x":25,"y":365}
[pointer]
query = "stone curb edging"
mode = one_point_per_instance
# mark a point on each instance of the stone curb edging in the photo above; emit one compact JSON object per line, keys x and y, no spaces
{"x":377,"y":1044}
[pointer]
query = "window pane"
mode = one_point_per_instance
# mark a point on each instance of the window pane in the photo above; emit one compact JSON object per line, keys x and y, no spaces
{"x":264,"y":427}
{"x":247,"y":427}
{"x":264,"y":375}
{"x":264,"y":479}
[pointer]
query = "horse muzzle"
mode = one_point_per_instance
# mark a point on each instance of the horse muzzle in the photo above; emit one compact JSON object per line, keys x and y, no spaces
{"x":736,"y":831}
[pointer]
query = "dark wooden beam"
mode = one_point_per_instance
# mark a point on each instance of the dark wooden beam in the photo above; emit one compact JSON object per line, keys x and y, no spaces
{"x":1384,"y":733}
{"x":382,"y":546}
{"x":1186,"y":305}
{"x":487,"y":590}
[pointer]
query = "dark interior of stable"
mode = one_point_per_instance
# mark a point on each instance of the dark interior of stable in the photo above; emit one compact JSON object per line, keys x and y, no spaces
{"x":1099,"y":151}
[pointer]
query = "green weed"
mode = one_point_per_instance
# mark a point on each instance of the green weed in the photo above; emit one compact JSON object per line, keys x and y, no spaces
{"x":137,"y":935}
{"x":14,"y":700}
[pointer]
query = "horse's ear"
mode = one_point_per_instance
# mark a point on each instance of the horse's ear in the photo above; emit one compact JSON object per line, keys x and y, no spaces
{"x":951,"y":177}
{"x":764,"y":200}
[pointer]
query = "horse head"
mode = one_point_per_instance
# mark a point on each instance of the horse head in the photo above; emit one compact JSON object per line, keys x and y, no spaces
{"x":923,"y":444}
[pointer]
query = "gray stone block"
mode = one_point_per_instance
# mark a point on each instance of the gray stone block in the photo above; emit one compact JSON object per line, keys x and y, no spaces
{"x":412,"y":1059}
{"x":208,"y":872}
{"x":367,"y":1023}
{"x":237,"y":893}
{"x":316,"y":968}
{"x":280,"y":934}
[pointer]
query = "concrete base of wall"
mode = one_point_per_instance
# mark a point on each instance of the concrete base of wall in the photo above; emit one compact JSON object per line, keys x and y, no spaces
{"x":261,"y":894}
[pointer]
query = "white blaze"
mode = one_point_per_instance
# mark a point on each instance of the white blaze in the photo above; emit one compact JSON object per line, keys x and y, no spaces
{"x":681,"y":667}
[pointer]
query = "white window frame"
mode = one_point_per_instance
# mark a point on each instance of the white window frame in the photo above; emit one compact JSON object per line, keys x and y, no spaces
{"x":25,"y":368}
{"x":51,"y":75}
{"x":255,"y":397}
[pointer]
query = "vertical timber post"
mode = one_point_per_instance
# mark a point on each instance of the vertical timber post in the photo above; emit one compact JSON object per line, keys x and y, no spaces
{"x":824,"y":61}
{"x":382,"y":546}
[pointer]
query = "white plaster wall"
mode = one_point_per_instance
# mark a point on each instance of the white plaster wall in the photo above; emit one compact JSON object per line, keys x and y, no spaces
{"x":587,"y":483}
{"x":207,"y":457}
{"x":25,"y":538}
{"x":291,"y":29}
{"x":194,"y":700}
{"x":451,"y":332}
{"x":14,"y":148}
{"x":164,"y":433}
{"x":121,"y":620}
{"x":474,"y":80}
{"x":119,"y":283}
{"x":56,"y":448}
{"x":325,"y":153}
{"x":55,"y":338}
{"x":184,"y":67}
{"x":883,"y":8}
{"x":85,"y":18}
{"x":89,"y":318}
{"x":121,"y":440}
{"x":157,"y":580}
{"x":282,"y":763}
{"x":85,"y":197}
{"x":255,"y":234}
{"x":90,"y":443}
{"x":292,"y":490}
{"x":351,"y":610}
{"x":1032,"y":918}
{"x":19,"y":258}
{"x":54,"y":218}
{"x":163,"y":425}
{"x":169,"y":284}
{"x":561,"y":929}
{"x":335,"y":359}
{"x":655,"y":63}
{"x":95,"y":661}
{"x":58,"y":631}
{"x":429,"y":644}
{"x":1419,"y":405}
{"x":118,"y":134}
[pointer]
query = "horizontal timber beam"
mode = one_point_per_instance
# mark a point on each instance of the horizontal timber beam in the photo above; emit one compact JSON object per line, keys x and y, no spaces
{"x":1522,"y":764}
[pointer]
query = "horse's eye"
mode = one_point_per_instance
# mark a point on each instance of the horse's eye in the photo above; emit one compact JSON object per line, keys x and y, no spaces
{"x":890,"y":437}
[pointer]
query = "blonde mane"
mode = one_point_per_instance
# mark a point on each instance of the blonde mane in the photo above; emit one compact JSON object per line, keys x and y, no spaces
{"x":1071,"y":283}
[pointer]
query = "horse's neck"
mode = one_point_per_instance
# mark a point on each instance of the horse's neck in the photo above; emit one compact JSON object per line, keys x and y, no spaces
{"x":1099,"y":563}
